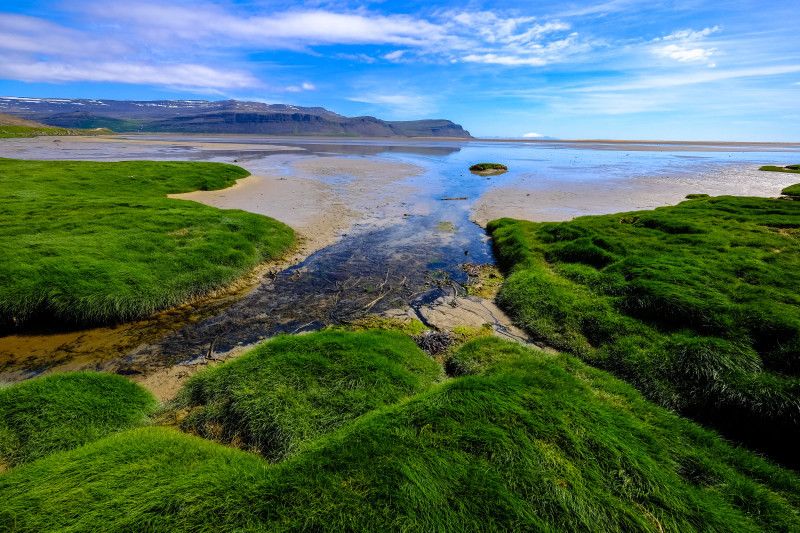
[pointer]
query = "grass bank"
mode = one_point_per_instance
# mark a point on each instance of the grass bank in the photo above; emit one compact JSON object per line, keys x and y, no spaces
{"x":100,"y":242}
{"x":30,"y":131}
{"x":519,"y":441}
{"x":293,"y":389}
{"x":61,"y":412}
{"x":695,"y":304}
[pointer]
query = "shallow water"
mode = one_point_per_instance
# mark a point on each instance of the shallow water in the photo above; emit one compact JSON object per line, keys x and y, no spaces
{"x":377,"y":266}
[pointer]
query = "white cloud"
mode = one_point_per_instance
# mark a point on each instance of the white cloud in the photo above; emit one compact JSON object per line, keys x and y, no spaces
{"x":684,"y":47}
{"x":308,"y":86}
{"x":532,"y":135}
{"x":393,"y":56}
{"x":685,"y":54}
{"x":172,"y":75}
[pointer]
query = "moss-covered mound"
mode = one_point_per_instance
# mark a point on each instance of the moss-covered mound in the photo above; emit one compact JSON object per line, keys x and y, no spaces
{"x":792,"y":190}
{"x":526,"y":443}
{"x":696,"y":304}
{"x":61,"y":412}
{"x":487,"y":166}
{"x":787,"y":168}
{"x":100,"y":242}
{"x":293,"y":389}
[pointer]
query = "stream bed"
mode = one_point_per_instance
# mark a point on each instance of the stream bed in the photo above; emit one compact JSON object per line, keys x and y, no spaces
{"x":404,"y":255}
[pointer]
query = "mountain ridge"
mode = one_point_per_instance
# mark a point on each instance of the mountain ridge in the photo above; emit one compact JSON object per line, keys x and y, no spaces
{"x":223,"y":116}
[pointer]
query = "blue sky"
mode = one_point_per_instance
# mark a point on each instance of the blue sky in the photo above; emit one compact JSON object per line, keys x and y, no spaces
{"x":615,"y":69}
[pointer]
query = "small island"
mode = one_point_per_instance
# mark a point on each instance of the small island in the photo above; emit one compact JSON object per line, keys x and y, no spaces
{"x":487,"y":169}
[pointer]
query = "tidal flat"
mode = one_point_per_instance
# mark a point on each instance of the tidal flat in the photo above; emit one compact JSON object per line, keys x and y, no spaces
{"x":357,"y":429}
{"x":368,"y":213}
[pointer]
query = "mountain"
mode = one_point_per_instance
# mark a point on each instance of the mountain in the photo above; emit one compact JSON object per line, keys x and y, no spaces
{"x":225,"y":116}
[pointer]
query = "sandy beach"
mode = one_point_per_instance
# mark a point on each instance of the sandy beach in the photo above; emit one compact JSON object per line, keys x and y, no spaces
{"x":320,"y":197}
{"x":529,"y":197}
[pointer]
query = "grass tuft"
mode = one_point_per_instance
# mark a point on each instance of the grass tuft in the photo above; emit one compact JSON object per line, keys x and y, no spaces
{"x":63,"y":411}
{"x":293,"y":389}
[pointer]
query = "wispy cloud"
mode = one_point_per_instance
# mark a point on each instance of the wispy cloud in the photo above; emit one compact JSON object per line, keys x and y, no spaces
{"x":407,"y":103}
{"x":173,"y":75}
{"x":685,"y":46}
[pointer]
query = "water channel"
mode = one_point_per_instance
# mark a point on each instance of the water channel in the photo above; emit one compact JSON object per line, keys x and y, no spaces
{"x":404,"y":254}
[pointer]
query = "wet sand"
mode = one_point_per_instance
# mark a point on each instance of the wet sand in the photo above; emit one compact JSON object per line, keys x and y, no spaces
{"x":321,"y":197}
{"x":530,"y":198}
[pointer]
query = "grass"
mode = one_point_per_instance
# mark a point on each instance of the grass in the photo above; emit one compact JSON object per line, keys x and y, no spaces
{"x":28,"y":131}
{"x":521,"y":441}
{"x":787,"y":168}
{"x":61,"y":412}
{"x":695,"y":304}
{"x":792,"y":190}
{"x":289,"y":391}
{"x":488,"y":166}
{"x":89,"y":242}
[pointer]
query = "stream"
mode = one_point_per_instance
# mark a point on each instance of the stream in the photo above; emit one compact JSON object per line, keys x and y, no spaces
{"x":383,"y":263}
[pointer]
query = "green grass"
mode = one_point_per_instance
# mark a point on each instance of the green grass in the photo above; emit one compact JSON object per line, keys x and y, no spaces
{"x":100,"y":242}
{"x":488,"y":166}
{"x":522,"y":442}
{"x":61,"y":412}
{"x":792,"y":190}
{"x":290,"y":390}
{"x":787,"y":168}
{"x":28,"y":131}
{"x":696,"y":304}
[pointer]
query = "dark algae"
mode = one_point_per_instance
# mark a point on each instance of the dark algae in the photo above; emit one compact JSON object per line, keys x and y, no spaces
{"x":520,"y":440}
{"x":695,"y":304}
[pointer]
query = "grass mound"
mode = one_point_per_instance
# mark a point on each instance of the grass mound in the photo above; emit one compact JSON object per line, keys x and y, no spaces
{"x":787,"y":168}
{"x":487,"y":166}
{"x":529,"y":443}
{"x":696,"y":304}
{"x":792,"y":190}
{"x":64,"y":411}
{"x":100,"y":242}
{"x":289,"y":391}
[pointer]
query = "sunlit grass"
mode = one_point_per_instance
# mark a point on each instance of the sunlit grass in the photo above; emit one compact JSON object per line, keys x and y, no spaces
{"x":696,"y":304}
{"x":520,"y":441}
{"x":100,"y":242}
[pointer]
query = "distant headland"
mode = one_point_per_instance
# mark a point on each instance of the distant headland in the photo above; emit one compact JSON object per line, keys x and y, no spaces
{"x":225,"y":116}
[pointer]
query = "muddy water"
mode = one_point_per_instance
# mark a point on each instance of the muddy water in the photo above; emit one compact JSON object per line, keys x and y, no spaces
{"x":404,"y":254}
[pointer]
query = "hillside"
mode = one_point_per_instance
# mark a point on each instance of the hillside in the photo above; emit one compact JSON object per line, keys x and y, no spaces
{"x":226,"y":116}
{"x":8,"y":120}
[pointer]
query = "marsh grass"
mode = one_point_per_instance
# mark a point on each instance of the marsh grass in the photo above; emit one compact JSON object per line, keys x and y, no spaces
{"x":90,"y":242}
{"x":293,"y":389}
{"x":60,"y":412}
{"x":30,"y":131}
{"x":521,"y":441}
{"x":695,"y":304}
{"x":787,"y":168}
{"x":488,"y":166}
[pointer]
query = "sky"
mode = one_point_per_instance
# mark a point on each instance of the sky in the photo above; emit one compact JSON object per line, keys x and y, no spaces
{"x":613,"y":69}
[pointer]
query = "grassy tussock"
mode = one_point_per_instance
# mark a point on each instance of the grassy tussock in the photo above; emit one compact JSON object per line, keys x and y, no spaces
{"x":524,"y":442}
{"x":60,"y":412}
{"x":100,"y":242}
{"x":30,"y":131}
{"x":695,"y":304}
{"x":293,"y":389}
{"x":787,"y":168}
